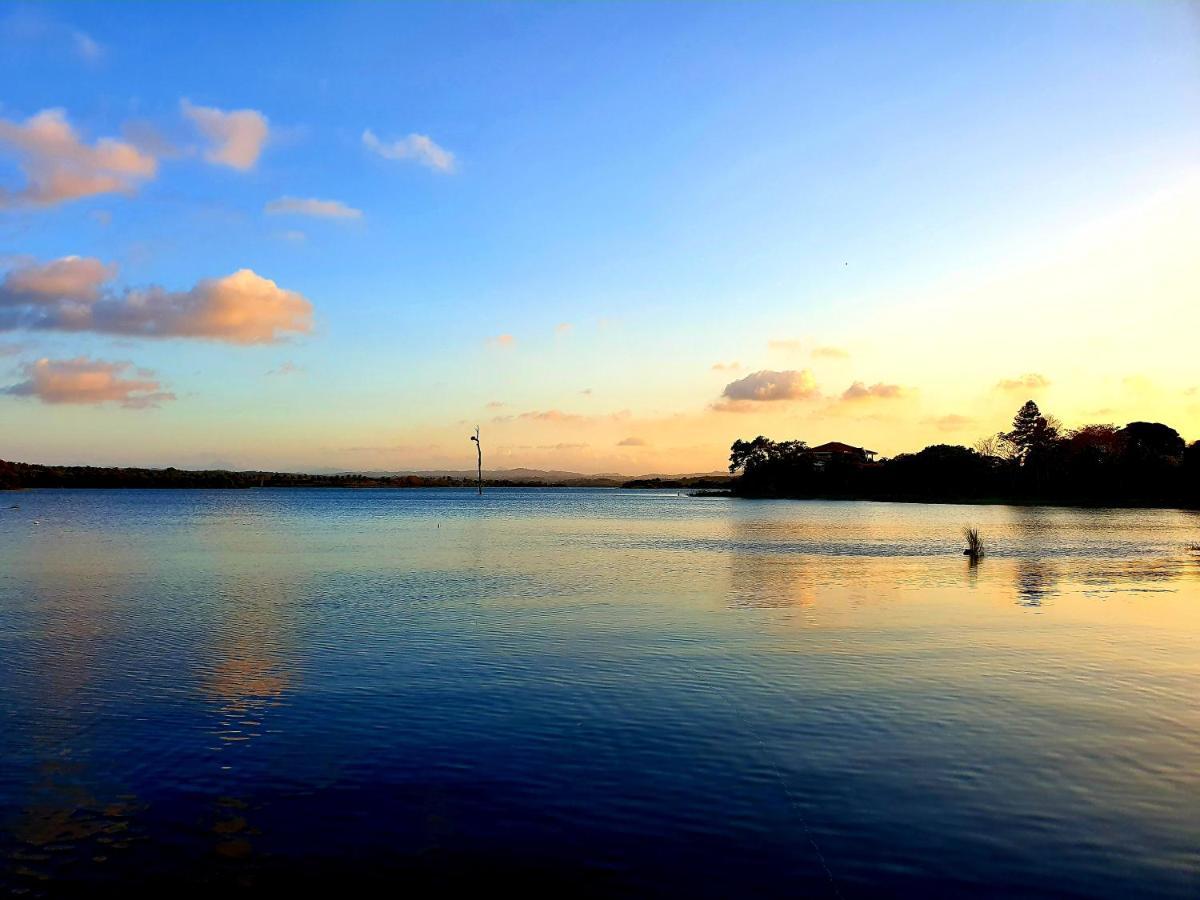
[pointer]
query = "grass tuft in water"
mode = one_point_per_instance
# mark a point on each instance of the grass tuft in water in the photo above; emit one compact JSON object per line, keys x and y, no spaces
{"x":974,"y":542}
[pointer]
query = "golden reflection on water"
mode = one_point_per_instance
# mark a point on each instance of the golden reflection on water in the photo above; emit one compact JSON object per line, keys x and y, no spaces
{"x":1035,"y":581}
{"x":251,"y":660}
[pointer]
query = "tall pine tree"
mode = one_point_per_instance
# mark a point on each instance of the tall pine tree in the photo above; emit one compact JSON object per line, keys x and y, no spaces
{"x":1029,"y":432}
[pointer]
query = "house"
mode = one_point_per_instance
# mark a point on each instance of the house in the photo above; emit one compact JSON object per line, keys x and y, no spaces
{"x":838,"y":450}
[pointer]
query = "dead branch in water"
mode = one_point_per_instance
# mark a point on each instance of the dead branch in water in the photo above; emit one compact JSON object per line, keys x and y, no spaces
{"x":479,"y":460}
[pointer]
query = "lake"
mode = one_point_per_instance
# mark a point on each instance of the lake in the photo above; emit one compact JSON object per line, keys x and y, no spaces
{"x":596,"y":692}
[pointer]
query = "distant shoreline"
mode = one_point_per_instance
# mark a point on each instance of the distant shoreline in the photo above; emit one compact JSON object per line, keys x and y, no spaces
{"x":15,"y":477}
{"x":24,"y":476}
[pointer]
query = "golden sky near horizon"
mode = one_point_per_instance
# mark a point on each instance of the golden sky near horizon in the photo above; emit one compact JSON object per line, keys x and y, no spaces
{"x":632,"y":248}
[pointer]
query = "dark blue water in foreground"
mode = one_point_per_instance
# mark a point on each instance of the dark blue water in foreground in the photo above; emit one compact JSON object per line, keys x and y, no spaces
{"x":595,"y":693}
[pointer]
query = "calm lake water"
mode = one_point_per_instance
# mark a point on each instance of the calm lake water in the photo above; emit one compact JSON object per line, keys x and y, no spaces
{"x":596,"y":692}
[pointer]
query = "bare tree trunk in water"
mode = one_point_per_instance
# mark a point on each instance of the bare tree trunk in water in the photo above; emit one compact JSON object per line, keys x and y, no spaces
{"x":479,"y":460}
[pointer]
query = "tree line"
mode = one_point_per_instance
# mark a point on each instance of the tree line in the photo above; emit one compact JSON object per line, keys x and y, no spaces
{"x":16,"y":475}
{"x":1037,"y":461}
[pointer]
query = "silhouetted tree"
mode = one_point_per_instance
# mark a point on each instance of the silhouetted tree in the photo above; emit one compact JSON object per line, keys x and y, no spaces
{"x":1031,"y":432}
{"x":1144,"y":463}
{"x":1153,"y":440}
{"x":749,"y":453}
{"x":768,"y":468}
{"x":1191,"y":473}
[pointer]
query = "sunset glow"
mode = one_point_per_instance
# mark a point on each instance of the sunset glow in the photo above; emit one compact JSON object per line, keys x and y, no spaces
{"x":614,"y":237}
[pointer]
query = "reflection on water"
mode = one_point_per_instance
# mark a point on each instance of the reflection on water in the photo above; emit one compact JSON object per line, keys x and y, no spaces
{"x":1035,"y":581}
{"x":596,"y":692}
{"x":246,"y":681}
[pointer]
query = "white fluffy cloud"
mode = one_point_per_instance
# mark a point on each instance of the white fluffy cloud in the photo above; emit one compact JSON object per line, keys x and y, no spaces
{"x":89,"y":381}
{"x":59,"y":166}
{"x":235,"y":137}
{"x":418,"y":148}
{"x":73,"y":294}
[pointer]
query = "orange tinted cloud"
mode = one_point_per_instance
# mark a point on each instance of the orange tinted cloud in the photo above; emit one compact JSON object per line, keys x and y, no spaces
{"x":830,"y":353}
{"x":69,"y":295}
{"x":726,"y":367}
{"x":78,"y":278}
{"x":235,"y":138}
{"x":503,"y":341}
{"x":1028,"y":382}
{"x":767,"y":387}
{"x":550,"y":415}
{"x":632,"y":442}
{"x":59,"y":167}
{"x":89,"y":381}
{"x":784,"y":346}
{"x":878,"y":391}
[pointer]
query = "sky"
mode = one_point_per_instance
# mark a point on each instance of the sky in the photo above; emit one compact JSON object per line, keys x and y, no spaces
{"x":616,"y":236}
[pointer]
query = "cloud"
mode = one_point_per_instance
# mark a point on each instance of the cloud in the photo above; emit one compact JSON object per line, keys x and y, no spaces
{"x":236,"y":138}
{"x":859,"y":391}
{"x":503,"y":341}
{"x":88,"y":49}
{"x":564,"y":328}
{"x":950,"y":422}
{"x":286,"y":368}
{"x":30,"y":29}
{"x":550,"y":415}
{"x":89,"y":381}
{"x":11,"y":349}
{"x":416,"y":147}
{"x":69,"y":278}
{"x":59,"y":167}
{"x":310,"y":206}
{"x":495,"y":404}
{"x":563,"y":446}
{"x":734,"y":366}
{"x":1028,"y":382}
{"x":767,"y":387}
{"x":558,"y":417}
{"x":830,"y":353}
{"x":784,"y":346}
{"x":71,"y":294}
{"x":632,"y":442}
{"x":148,"y":139}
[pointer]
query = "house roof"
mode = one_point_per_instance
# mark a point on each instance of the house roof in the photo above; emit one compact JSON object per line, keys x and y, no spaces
{"x":839,"y":447}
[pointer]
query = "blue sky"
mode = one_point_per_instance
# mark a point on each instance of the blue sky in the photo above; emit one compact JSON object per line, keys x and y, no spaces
{"x":682,"y":184}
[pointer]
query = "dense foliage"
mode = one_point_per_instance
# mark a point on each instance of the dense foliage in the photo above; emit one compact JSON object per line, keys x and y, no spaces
{"x":1143,"y":463}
